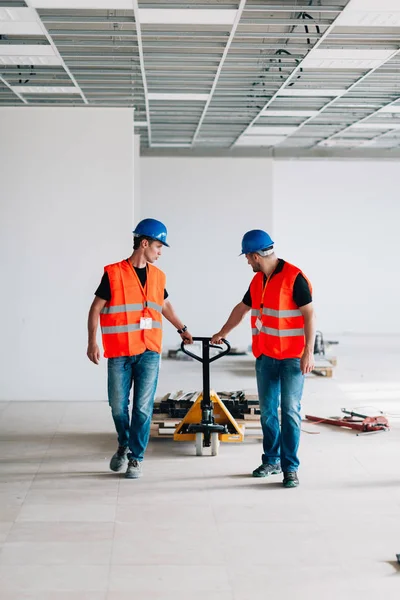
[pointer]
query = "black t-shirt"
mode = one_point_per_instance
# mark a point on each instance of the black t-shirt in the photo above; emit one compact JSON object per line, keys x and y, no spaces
{"x":104,"y":289}
{"x":301,"y":289}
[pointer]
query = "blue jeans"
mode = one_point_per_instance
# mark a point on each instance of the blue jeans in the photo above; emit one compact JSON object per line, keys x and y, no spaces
{"x":142,"y":371}
{"x":280,"y":379}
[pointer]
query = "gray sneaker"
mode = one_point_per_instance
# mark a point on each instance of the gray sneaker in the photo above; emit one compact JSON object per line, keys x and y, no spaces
{"x":134,"y":470}
{"x":119,"y":459}
{"x":290,"y":479}
{"x":266,"y":470}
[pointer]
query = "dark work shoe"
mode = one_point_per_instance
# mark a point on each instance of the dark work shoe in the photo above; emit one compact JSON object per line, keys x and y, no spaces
{"x":134,"y":470}
{"x":266,"y":470}
{"x":290,"y":479}
{"x":119,"y":459}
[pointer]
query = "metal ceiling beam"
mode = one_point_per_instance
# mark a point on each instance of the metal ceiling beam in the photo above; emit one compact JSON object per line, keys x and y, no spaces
{"x":294,"y":8}
{"x":142,"y":67}
{"x":125,"y":32}
{"x":97,"y":44}
{"x":78,"y":61}
{"x":262,"y":34}
{"x":220,"y":66}
{"x":283,"y":22}
{"x":55,"y":49}
{"x":76,"y":33}
{"x":86,"y":19}
{"x":13,"y":41}
{"x":100,"y":55}
{"x":368,"y":37}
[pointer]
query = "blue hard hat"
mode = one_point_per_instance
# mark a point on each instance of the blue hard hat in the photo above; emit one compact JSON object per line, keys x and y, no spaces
{"x":255,"y":240}
{"x":153,"y":229}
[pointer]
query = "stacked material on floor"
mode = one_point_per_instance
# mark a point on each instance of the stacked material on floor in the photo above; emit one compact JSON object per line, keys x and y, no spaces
{"x":171,"y":409}
{"x":176,"y":404}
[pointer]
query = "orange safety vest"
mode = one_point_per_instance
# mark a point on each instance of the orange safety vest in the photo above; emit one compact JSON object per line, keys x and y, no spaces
{"x":121,"y":316}
{"x":281,"y":331}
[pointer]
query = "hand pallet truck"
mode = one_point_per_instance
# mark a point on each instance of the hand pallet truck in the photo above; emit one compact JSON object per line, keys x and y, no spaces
{"x":361,"y":423}
{"x":208,"y":422}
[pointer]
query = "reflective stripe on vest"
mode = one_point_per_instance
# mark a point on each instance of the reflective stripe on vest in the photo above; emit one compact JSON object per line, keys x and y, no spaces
{"x":122,"y":308}
{"x":279,"y":332}
{"x":127,"y":328}
{"x":279,"y":314}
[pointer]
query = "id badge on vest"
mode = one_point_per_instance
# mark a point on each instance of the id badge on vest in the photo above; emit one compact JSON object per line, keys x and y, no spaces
{"x":259,"y":324}
{"x":146,"y":323}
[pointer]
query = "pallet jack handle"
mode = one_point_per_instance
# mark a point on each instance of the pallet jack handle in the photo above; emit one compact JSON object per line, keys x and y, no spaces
{"x":206,"y":360}
{"x":206,"y":350}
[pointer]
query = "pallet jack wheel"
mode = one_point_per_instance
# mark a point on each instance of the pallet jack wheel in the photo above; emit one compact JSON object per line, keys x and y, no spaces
{"x":214,"y":444}
{"x":199,"y":443}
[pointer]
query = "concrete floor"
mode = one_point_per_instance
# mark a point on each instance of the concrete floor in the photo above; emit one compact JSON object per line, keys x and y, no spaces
{"x":202,"y":527}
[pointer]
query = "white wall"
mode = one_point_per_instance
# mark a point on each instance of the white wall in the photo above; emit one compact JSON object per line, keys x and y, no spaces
{"x":336,"y":219}
{"x":65,"y":211}
{"x":339,"y":221}
{"x":207,"y":205}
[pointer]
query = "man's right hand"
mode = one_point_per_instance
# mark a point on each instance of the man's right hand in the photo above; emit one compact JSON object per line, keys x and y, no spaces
{"x":93,"y":353}
{"x":217,"y":338}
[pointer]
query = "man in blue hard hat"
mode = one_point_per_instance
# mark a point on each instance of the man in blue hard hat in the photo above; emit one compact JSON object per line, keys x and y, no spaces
{"x":283,"y":332}
{"x":130,"y":303}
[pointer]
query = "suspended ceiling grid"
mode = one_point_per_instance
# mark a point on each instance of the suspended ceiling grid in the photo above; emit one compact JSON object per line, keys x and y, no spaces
{"x":284,"y":75}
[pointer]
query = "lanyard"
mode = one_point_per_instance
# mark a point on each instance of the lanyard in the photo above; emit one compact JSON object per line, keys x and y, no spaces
{"x":263,"y":293}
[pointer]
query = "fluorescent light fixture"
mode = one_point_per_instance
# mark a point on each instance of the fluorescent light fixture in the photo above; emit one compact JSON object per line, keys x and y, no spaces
{"x":94,"y":4}
{"x":370,"y":13}
{"x":345,"y":58}
{"x":177,"y":97}
{"x":258,"y":140}
{"x":190,"y":16}
{"x":19,"y":21}
{"x":45,"y":89}
{"x":26,"y":50}
{"x":310,"y":92}
{"x":30,"y":60}
{"x":270,"y":130}
{"x":395,"y":108}
{"x":140,"y":123}
{"x":289,"y":113}
{"x":385,"y":125}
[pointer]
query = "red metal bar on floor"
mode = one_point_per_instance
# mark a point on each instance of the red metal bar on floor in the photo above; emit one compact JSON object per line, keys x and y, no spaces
{"x":368,"y":424}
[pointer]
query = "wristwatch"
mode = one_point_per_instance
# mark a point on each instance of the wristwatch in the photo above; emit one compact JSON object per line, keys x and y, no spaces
{"x":184,"y":328}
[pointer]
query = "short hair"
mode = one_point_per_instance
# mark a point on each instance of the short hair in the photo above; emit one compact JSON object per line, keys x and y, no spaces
{"x":137,"y":240}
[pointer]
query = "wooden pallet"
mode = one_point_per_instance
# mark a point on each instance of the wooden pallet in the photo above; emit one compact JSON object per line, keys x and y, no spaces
{"x":324,"y":366}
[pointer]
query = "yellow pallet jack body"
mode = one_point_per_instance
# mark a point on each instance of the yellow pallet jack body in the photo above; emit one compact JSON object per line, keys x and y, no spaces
{"x":222,"y":416}
{"x":208,"y":422}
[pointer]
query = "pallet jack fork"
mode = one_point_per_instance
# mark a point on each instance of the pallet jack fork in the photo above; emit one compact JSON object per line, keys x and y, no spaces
{"x":357,"y":421}
{"x":208,"y":422}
